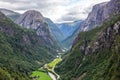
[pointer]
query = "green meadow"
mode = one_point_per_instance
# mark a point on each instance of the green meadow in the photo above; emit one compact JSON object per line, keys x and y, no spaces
{"x":51,"y":65}
{"x":40,"y":74}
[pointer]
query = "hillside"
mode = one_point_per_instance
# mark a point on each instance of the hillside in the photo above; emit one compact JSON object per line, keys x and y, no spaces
{"x":21,"y":51}
{"x":58,"y":35}
{"x":70,"y":31}
{"x":95,"y":53}
{"x":67,"y":42}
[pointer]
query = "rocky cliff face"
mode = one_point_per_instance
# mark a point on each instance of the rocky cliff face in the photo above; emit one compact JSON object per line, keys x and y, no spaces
{"x":31,"y":19}
{"x":34,"y":20}
{"x":104,"y":40}
{"x":100,"y":13}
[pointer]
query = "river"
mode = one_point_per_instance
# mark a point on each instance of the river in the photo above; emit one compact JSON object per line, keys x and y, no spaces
{"x":50,"y":67}
{"x":47,"y":71}
{"x":52,"y":76}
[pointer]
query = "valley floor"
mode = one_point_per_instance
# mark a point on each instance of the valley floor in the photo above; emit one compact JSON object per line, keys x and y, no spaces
{"x":47,"y":71}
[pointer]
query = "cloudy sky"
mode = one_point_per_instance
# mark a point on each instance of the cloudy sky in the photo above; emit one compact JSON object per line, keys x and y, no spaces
{"x":56,"y":10}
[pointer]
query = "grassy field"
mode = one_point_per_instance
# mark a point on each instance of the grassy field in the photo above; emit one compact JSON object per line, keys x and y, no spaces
{"x":41,"y":74}
{"x":51,"y":65}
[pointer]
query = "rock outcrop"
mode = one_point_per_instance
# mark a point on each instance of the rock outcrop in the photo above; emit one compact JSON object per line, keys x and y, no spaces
{"x":34,"y":20}
{"x":105,"y":40}
{"x":100,"y":13}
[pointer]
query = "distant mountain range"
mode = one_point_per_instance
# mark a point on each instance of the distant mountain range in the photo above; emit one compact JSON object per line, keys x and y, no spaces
{"x":59,"y":36}
{"x":68,"y":28}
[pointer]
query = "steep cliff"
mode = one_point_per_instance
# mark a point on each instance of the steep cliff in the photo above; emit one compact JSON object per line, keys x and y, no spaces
{"x":100,"y":13}
{"x":34,"y":20}
{"x":95,"y":53}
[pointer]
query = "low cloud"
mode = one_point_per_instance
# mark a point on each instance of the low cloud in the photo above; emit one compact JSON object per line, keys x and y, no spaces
{"x":56,"y":10}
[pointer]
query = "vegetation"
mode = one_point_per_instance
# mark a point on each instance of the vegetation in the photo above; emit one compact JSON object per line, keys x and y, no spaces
{"x":21,"y":51}
{"x":100,"y":65}
{"x":51,"y":65}
{"x":41,"y":74}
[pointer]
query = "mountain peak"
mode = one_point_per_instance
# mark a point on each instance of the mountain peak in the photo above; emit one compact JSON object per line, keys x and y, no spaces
{"x":100,"y":13}
{"x":33,"y":12}
{"x":34,"y":20}
{"x":30,"y":19}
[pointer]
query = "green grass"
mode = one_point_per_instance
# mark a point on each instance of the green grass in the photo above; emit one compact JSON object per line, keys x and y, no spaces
{"x":41,"y":75}
{"x":51,"y":65}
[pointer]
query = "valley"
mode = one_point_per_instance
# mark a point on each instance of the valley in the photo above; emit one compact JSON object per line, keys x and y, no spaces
{"x":47,"y":71}
{"x":60,"y":40}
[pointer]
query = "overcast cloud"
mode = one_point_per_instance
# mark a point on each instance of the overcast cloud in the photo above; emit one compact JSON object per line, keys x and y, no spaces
{"x":56,"y":10}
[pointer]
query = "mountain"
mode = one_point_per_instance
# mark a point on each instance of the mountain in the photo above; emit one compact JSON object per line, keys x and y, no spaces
{"x":21,"y":50}
{"x":11,"y":14}
{"x":95,"y":53}
{"x":68,"y":28}
{"x":34,"y":20}
{"x":59,"y":36}
{"x":53,"y":28}
{"x":100,"y":13}
{"x":67,"y":42}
